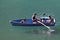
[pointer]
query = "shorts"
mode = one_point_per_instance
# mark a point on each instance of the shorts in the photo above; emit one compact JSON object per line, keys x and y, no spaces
{"x":34,"y":20}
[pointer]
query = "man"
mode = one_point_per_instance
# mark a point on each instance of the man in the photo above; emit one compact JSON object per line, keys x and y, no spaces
{"x":34,"y":18}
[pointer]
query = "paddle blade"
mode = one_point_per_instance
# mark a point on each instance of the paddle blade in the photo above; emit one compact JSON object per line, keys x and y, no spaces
{"x":51,"y":30}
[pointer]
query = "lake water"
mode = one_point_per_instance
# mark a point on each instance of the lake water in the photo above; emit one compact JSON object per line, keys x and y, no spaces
{"x":13,"y":9}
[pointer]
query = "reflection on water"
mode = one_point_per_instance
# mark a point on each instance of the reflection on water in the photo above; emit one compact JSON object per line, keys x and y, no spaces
{"x":34,"y":33}
{"x":57,"y":31}
{"x":38,"y":31}
{"x":33,"y":30}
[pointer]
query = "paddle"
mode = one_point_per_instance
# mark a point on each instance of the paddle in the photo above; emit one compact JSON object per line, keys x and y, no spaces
{"x":50,"y":30}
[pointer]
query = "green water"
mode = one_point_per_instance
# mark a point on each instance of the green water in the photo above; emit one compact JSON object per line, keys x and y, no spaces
{"x":13,"y":9}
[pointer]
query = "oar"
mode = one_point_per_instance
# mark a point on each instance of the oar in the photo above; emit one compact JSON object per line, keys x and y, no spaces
{"x":46,"y":26}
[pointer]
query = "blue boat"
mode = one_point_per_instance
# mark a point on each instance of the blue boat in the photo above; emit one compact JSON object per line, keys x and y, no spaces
{"x":29,"y":22}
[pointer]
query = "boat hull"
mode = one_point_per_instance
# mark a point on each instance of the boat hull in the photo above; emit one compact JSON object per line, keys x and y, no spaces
{"x":28,"y":22}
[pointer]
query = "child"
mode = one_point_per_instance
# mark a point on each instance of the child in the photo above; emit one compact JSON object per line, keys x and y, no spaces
{"x":49,"y":19}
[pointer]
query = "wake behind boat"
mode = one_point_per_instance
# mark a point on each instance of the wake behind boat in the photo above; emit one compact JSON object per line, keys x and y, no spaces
{"x":29,"y":22}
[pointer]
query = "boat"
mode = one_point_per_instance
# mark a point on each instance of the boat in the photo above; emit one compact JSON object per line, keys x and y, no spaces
{"x":29,"y":22}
